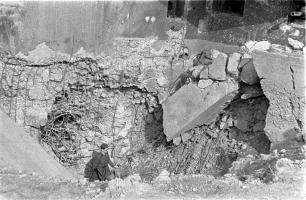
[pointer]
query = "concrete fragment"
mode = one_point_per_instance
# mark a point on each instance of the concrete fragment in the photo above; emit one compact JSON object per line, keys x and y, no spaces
{"x":254,"y":45}
{"x":248,"y":73}
{"x":285,"y":27}
{"x":161,"y":80}
{"x":233,"y":62}
{"x":282,"y":81}
{"x":204,"y":74}
{"x":177,"y":140}
{"x":180,"y":109}
{"x":204,"y":83}
{"x":163,"y":177}
{"x":277,"y":48}
{"x":196,"y":71}
{"x":296,"y":33}
{"x":186,"y":136}
{"x":216,"y":70}
{"x":295,"y":43}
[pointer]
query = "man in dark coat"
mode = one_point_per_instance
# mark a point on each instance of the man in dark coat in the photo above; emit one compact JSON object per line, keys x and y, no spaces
{"x":97,"y":168}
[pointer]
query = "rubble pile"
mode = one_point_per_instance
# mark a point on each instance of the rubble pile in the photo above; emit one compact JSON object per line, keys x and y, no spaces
{"x":158,"y":104}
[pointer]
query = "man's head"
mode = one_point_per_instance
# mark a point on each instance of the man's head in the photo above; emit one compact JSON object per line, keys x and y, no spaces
{"x":104,"y":147}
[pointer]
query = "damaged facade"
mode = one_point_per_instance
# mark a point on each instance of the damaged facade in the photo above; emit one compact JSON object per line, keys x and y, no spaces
{"x":159,"y":78}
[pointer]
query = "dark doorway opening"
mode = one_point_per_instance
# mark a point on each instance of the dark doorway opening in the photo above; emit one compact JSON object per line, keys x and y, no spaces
{"x":229,"y":6}
{"x":176,"y":8}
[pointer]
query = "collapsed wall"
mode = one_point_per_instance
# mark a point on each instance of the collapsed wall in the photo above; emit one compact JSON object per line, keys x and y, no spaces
{"x":213,"y":106}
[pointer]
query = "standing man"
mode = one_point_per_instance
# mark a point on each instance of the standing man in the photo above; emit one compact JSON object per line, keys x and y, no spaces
{"x":98,"y":167}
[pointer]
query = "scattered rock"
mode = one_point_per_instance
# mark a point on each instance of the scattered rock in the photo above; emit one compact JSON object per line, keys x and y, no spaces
{"x":147,"y":18}
{"x":248,"y":73}
{"x":204,"y":83}
{"x":233,"y":62}
{"x":295,"y":43}
{"x":216,"y":70}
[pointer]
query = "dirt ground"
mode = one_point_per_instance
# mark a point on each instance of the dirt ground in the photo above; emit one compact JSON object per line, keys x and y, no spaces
{"x":288,"y":184}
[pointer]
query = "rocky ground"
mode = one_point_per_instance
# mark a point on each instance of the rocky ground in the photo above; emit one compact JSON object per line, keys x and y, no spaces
{"x":287,"y":182}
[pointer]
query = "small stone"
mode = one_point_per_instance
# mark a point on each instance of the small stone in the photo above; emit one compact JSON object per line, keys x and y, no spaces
{"x":233,"y":62}
{"x":296,"y":33}
{"x":83,"y":181}
{"x":197,"y":71}
{"x":283,"y":151}
{"x":177,"y":140}
{"x":186,"y":136}
{"x":216,"y":70}
{"x":204,"y":74}
{"x":163,"y":177}
{"x":222,"y":125}
{"x":248,"y":73}
{"x":260,"y":46}
{"x":161,"y":80}
{"x":285,"y":27}
{"x":204,"y":83}
{"x":295,"y":43}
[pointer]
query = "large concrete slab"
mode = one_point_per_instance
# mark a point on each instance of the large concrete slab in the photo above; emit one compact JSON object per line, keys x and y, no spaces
{"x":283,"y":82}
{"x":180,"y":109}
{"x":19,"y":151}
{"x":187,"y":108}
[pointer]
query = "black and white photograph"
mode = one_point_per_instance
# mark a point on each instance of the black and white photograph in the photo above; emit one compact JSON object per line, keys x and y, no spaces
{"x":152,"y":100}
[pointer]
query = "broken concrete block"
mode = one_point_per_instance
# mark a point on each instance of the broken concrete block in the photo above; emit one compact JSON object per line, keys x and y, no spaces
{"x":233,"y":62}
{"x":197,"y":70}
{"x":177,"y":140}
{"x":163,"y":177}
{"x":295,"y":43}
{"x":204,"y":74}
{"x":216,"y":70}
{"x":161,"y":80}
{"x":260,"y":46}
{"x":248,"y":73}
{"x":277,"y":48}
{"x":180,"y":109}
{"x":204,"y":83}
{"x":185,"y":136}
{"x":282,"y":81}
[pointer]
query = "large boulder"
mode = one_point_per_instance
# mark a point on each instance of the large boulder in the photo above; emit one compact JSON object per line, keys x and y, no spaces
{"x":282,"y":81}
